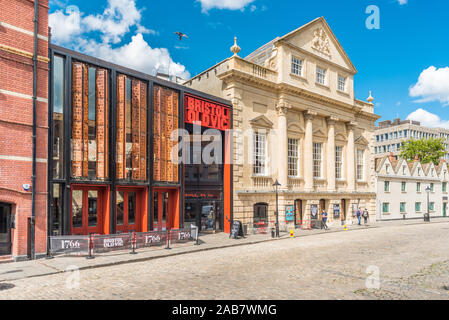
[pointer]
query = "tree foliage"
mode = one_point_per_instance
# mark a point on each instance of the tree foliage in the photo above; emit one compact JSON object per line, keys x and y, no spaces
{"x":427,"y":150}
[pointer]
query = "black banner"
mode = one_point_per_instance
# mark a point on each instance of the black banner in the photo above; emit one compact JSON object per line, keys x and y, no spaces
{"x":73,"y":245}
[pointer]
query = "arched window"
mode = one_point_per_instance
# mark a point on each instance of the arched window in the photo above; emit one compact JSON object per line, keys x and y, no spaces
{"x":260,"y":212}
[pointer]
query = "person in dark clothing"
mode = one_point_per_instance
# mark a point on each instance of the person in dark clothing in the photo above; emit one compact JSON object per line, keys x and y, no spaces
{"x":324,"y":220}
{"x":365,"y":216}
{"x":359,"y":215}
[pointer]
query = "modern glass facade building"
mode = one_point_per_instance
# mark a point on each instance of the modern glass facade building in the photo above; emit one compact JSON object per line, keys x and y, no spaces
{"x":113,"y":145}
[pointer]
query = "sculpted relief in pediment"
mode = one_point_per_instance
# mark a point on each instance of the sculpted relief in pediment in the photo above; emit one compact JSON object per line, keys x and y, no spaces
{"x":321,"y":42}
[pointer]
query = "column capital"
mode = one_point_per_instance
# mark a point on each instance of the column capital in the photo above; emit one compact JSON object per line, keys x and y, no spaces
{"x":282,"y":107}
{"x":351,"y":125}
{"x":332,"y":120}
{"x":309,"y":115}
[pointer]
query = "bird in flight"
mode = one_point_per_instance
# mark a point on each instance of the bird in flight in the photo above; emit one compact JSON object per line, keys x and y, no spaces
{"x":180,"y":34}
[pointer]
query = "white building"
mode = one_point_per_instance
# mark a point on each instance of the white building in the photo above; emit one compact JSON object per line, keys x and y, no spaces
{"x":297,"y":121}
{"x":401,"y":189}
{"x":390,"y":135}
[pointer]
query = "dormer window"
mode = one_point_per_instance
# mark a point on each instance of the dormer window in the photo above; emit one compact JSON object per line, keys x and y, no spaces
{"x":341,"y":83}
{"x":297,"y":66}
{"x":321,"y":75}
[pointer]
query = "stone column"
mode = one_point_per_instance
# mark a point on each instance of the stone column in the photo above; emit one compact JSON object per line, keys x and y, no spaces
{"x":351,"y":156}
{"x":308,"y":151}
{"x":282,"y":146}
{"x":331,"y":153}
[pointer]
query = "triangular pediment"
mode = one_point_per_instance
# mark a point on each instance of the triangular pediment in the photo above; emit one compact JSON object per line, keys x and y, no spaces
{"x":319,"y":133}
{"x":317,"y":38}
{"x":340,"y":137}
{"x":295,"y":127}
{"x":361,"y":140}
{"x":261,"y":121}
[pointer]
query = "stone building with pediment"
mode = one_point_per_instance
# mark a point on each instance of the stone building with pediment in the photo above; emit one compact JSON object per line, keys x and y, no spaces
{"x":296,"y":120}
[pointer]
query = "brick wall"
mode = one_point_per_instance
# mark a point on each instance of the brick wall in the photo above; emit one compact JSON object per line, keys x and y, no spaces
{"x":16,"y":118}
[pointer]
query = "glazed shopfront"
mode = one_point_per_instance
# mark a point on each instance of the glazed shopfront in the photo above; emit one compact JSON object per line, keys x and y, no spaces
{"x":206,"y":123}
{"x":110,"y":145}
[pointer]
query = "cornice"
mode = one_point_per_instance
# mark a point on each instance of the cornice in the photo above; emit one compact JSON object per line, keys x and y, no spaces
{"x":234,"y":74}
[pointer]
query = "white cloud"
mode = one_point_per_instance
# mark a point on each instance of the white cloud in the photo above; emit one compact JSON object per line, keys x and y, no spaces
{"x":116,"y":20}
{"x":432,"y":85}
{"x":401,"y":2}
{"x":137,"y":55}
{"x":64,"y":27}
{"x":428,"y":119}
{"x":206,"y":5}
{"x":72,"y":29}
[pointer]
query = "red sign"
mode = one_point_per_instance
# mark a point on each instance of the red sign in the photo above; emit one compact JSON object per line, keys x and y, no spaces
{"x":210,"y":114}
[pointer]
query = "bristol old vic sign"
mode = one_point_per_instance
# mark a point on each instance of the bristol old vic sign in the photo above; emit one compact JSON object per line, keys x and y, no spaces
{"x":210,"y":114}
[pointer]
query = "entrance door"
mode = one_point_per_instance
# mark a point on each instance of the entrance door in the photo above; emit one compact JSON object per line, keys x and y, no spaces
{"x":191,"y":213}
{"x":129,"y":209}
{"x":298,"y":212}
{"x":5,"y":229}
{"x":444,"y":208}
{"x":209,"y":216}
{"x":343,"y":210}
{"x":87,"y":210}
{"x":164,"y":208}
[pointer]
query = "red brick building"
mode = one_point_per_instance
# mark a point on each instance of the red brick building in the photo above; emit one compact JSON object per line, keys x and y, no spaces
{"x":17,"y":98}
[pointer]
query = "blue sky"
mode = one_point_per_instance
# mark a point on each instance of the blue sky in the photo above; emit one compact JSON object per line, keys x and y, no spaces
{"x":390,"y":61}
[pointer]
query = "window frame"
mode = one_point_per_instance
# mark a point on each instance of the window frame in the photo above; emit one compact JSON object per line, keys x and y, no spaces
{"x":256,"y":156}
{"x":297,"y":64}
{"x":318,"y":68}
{"x":294,"y":157}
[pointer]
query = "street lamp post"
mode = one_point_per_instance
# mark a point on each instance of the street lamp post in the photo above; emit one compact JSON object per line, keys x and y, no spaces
{"x":276,"y":185}
{"x":428,"y":204}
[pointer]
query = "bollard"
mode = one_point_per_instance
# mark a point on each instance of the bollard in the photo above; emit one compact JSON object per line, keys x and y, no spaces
{"x":49,"y":254}
{"x":168,"y":240}
{"x":197,"y":243}
{"x":272,"y":232}
{"x":90,"y":256}
{"x":133,"y":243}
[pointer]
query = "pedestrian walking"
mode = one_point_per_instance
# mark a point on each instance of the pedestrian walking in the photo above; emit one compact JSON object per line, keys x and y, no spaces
{"x":324,"y":220}
{"x":359,"y":215}
{"x":365,"y":216}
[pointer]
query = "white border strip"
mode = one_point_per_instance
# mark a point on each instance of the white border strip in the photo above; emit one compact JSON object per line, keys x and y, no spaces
{"x":17,"y":158}
{"x":30,"y":33}
{"x":22,"y":95}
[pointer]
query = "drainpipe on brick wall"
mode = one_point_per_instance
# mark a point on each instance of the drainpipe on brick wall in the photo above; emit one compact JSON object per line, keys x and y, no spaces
{"x":33,"y":177}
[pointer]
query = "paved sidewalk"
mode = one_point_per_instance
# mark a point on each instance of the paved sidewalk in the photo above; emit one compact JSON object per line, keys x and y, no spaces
{"x":41,"y":267}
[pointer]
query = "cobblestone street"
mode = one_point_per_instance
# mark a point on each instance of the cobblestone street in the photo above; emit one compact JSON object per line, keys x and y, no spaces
{"x":412,"y":262}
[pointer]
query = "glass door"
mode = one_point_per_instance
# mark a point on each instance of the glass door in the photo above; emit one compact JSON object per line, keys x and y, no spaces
{"x":128,"y":209}
{"x":87,"y":210}
{"x":5,"y":229}
{"x":161,"y":209}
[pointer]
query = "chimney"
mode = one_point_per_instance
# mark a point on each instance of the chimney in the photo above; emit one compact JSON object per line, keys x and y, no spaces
{"x":392,"y":157}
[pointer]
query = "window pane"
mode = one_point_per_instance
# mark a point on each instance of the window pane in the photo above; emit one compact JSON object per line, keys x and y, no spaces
{"x":56,"y":209}
{"x":92,"y":208}
{"x":317,"y":160}
{"x":164,"y":206}
{"x":92,"y":130}
{"x":293,"y":157}
{"x":338,"y":162}
{"x":259,"y":153}
{"x":156,"y":210}
{"x":89,"y":142}
{"x":58,"y":117}
{"x":120,"y":204}
{"x":132,"y":197}
{"x":77,"y":208}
